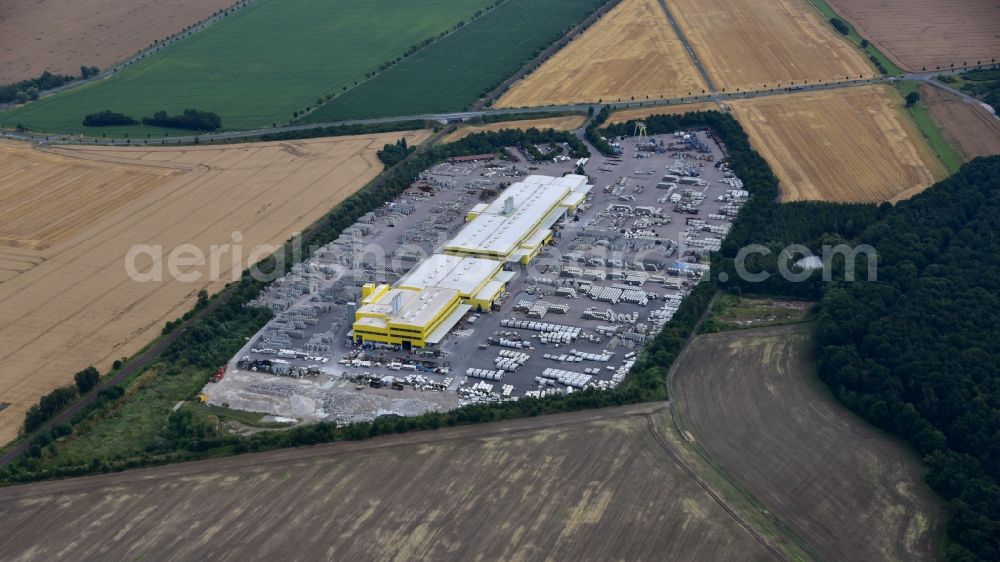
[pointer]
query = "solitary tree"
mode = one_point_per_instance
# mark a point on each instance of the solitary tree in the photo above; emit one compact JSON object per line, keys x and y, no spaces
{"x":912,"y":98}
{"x":86,"y":379}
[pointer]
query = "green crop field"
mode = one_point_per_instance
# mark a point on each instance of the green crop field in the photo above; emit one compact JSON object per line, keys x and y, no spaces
{"x":257,"y":66}
{"x":456,"y":71}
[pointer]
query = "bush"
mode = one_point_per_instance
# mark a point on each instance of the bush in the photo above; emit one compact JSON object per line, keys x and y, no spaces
{"x":46,"y":81}
{"x":87,"y":379}
{"x":840,"y":26}
{"x":108,"y":118}
{"x":191,"y":119}
{"x":392,"y":154}
{"x":48,"y":406}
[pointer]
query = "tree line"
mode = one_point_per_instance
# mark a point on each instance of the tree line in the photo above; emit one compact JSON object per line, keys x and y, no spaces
{"x":914,"y":351}
{"x":29,"y":90}
{"x":201,"y":348}
{"x":54,"y":402}
{"x":190,"y":119}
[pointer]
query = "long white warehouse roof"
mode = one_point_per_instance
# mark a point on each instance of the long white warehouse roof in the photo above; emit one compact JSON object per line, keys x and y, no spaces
{"x":463,"y":274}
{"x":495,"y":230}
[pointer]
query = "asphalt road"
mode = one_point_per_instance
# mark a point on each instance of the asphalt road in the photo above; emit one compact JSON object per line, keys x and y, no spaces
{"x":464,"y":115}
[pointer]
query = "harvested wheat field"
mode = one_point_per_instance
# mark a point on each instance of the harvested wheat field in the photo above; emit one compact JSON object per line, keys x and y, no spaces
{"x":564,"y":123}
{"x":631,"y":52}
{"x":66,"y":301}
{"x":62,"y":35}
{"x":852,"y":144}
{"x":750,"y":44}
{"x":968,"y":126}
{"x":643,"y":112}
{"x":927,"y":33}
{"x":593,"y":485}
{"x":752,"y":401}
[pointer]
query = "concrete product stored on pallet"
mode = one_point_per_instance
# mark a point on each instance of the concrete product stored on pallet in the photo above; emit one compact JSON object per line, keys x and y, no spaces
{"x":569,"y":378}
{"x":485,"y":374}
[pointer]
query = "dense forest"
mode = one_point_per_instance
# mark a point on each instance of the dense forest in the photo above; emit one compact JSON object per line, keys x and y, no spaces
{"x":918,"y":351}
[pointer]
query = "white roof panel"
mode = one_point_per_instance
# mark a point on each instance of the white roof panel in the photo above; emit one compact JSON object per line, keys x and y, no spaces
{"x":533,"y":198}
{"x":463,"y":274}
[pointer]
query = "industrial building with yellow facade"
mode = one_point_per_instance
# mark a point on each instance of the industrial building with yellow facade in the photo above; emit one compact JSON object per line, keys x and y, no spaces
{"x":472,"y":269}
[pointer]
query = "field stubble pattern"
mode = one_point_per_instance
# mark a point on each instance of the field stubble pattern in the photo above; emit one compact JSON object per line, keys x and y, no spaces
{"x":72,"y":304}
{"x":752,"y":401}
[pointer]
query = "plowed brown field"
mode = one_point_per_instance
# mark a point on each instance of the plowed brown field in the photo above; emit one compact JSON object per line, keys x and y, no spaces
{"x":852,"y":144}
{"x":752,"y":401}
{"x":62,"y":35}
{"x":968,"y":126}
{"x":564,"y":123}
{"x":594,"y":485}
{"x":927,"y":33}
{"x":70,"y":216}
{"x":631,"y":52}
{"x":748,"y":44}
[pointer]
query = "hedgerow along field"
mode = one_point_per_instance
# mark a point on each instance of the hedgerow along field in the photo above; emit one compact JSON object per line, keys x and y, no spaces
{"x":456,"y":71}
{"x":255,"y":67}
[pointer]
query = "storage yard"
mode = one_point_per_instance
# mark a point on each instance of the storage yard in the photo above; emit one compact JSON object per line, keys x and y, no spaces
{"x":632,"y":52}
{"x":564,"y":123}
{"x":853,"y":144}
{"x":962,"y":30}
{"x":596,"y":485}
{"x":493,"y":279}
{"x":747,"y":45}
{"x":969,"y":126}
{"x":752,"y":401}
{"x":66,"y":301}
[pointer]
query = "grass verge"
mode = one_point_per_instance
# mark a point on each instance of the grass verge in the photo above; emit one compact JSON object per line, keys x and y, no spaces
{"x":947,"y":153}
{"x":875,"y":55}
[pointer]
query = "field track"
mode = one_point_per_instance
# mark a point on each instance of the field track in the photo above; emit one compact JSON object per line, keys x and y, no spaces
{"x":642,"y":112}
{"x":72,"y":304}
{"x":61,"y":35}
{"x":591,"y":485}
{"x":565,"y":123}
{"x":751,"y":400}
{"x":968,"y":126}
{"x":746,"y":44}
{"x":840,"y":145}
{"x":631,"y":52}
{"x":927,"y":33}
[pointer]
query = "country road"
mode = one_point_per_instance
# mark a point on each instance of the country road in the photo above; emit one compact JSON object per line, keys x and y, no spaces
{"x":464,"y":115}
